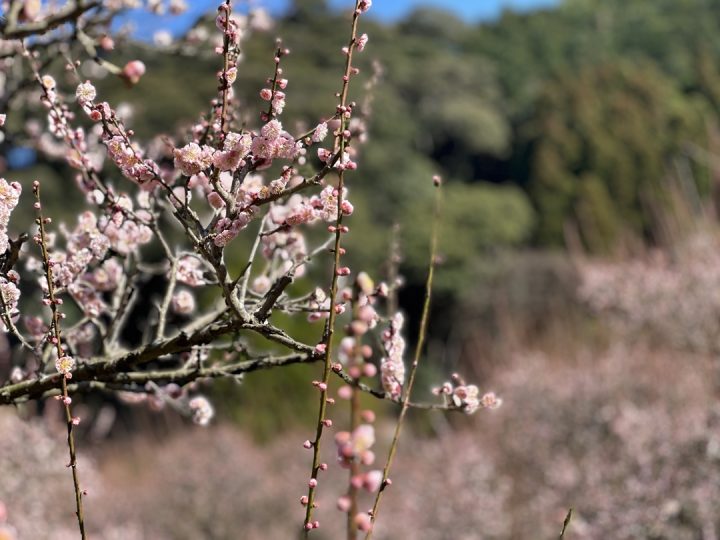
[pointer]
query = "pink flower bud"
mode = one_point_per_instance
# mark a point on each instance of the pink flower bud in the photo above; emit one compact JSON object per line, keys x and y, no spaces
{"x":369,"y":370}
{"x":133,"y":71}
{"x":344,"y":503}
{"x":367,"y":457}
{"x":363,"y":522}
{"x":372,"y":480}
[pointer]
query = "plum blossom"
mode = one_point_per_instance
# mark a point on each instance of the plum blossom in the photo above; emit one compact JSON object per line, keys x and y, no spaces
{"x":85,"y":93}
{"x":133,"y":71}
{"x":183,"y":302}
{"x":11,"y":296}
{"x":467,"y":396}
{"x":65,"y":365}
{"x":129,"y":160}
{"x":191,"y":158}
{"x":190,"y":271}
{"x":9,"y":197}
{"x":320,"y":132}
{"x":235,"y":147}
{"x":326,"y":204}
{"x":273,"y":142}
{"x":202,"y":410}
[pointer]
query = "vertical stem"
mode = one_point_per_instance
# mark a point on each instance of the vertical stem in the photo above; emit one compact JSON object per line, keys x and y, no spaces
{"x":60,"y":353}
{"x":330,"y":326}
{"x":416,"y":359}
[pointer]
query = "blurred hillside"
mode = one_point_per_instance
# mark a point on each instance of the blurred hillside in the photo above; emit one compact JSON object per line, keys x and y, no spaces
{"x":560,"y":124}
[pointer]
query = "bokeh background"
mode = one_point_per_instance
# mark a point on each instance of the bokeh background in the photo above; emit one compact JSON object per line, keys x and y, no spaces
{"x":580,"y":280}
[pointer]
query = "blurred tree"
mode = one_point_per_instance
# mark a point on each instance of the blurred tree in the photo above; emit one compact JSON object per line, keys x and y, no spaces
{"x":599,"y":143}
{"x":476,"y":220}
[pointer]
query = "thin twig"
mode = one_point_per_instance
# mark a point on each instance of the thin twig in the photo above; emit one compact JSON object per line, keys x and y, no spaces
{"x":566,"y":522}
{"x":327,"y":341}
{"x":57,"y":341}
{"x":416,"y":359}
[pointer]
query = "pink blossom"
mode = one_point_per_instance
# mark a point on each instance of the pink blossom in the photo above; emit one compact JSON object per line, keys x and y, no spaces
{"x":190,"y":271}
{"x":372,"y":480}
{"x":192,"y":159}
{"x":85,"y":93}
{"x":363,"y":522}
{"x":65,"y":365}
{"x":202,"y":410}
{"x":183,"y":302}
{"x":320,"y":132}
{"x":133,"y":71}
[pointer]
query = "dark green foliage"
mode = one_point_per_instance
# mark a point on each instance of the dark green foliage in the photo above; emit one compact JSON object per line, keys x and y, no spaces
{"x":600,"y":142}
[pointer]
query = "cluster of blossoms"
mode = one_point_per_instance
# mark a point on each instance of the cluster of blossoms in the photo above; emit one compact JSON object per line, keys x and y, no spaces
{"x":276,"y":95}
{"x":354,"y":449}
{"x":183,"y":302}
{"x":83,"y":269}
{"x":672,"y":295}
{"x":467,"y":396}
{"x":235,"y":147}
{"x":192,"y":158}
{"x":273,"y":143}
{"x":10,"y":297}
{"x":129,"y":160}
{"x":9,"y":197}
{"x":190,"y":271}
{"x":202,"y":410}
{"x":392,"y":367}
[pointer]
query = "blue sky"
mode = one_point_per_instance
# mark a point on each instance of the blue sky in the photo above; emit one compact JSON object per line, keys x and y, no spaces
{"x":389,"y":10}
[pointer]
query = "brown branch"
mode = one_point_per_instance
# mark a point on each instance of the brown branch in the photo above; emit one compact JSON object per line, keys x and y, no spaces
{"x":70,"y":12}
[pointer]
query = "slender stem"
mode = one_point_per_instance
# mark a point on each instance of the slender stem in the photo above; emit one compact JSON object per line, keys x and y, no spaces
{"x":165,"y":306}
{"x":330,"y":326}
{"x":57,"y":340}
{"x":416,"y":359}
{"x":566,"y":522}
{"x":251,"y":258}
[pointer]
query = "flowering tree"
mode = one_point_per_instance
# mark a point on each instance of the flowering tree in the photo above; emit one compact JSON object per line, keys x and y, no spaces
{"x":189,"y":197}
